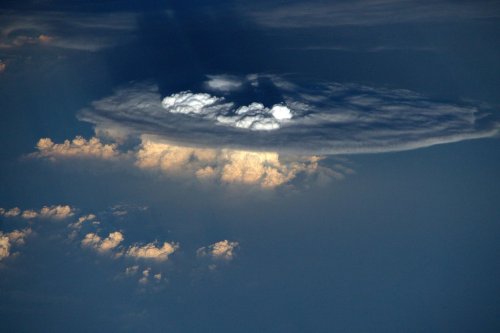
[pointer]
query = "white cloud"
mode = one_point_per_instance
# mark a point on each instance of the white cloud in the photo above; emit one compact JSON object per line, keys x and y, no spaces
{"x":254,"y":116}
{"x":95,"y":242}
{"x":152,"y":251}
{"x":223,"y":250}
{"x":223,"y":83}
{"x":188,"y":103}
{"x":326,"y":118}
{"x":78,"y":147}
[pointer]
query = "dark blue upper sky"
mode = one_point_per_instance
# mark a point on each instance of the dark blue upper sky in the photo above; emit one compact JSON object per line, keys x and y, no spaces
{"x":263,"y":166}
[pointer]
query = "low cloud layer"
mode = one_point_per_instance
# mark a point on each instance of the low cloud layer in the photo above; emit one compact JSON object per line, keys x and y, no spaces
{"x":321,"y":119}
{"x":78,"y":147}
{"x":208,"y":165}
{"x":55,"y":212}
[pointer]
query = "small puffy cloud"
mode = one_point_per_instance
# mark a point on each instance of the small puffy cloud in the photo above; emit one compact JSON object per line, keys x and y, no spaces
{"x":145,"y":276}
{"x":29,"y":214}
{"x":223,"y":83}
{"x":95,"y":242}
{"x":13,"y":212}
{"x":55,"y":212}
{"x":131,"y":270}
{"x":58,"y":212}
{"x":82,"y":219}
{"x":152,"y":251}
{"x":223,"y":250}
{"x":18,"y":236}
{"x":78,"y":147}
{"x":4,"y":246}
{"x":10,"y":239}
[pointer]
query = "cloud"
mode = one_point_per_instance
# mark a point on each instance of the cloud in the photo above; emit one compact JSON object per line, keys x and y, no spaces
{"x":58,"y":212}
{"x":263,"y":169}
{"x":4,"y":246}
{"x":78,"y":147}
{"x":223,"y":250}
{"x":152,"y":251}
{"x":95,"y":242}
{"x":74,"y":31}
{"x":226,"y":166}
{"x":82,"y":219}
{"x":132,"y":270}
{"x":55,"y":212}
{"x":18,"y":236}
{"x":11,"y":239}
{"x":29,"y":214}
{"x":327,"y":118}
{"x":13,"y":212}
{"x":146,"y":276}
{"x":223,"y":83}
{"x":254,"y":116}
{"x":367,"y":13}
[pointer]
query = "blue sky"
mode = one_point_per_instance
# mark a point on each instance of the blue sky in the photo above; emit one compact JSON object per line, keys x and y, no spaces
{"x":267,"y":166}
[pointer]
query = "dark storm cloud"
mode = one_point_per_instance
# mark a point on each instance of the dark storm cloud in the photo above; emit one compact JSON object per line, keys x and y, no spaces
{"x":327,"y":118}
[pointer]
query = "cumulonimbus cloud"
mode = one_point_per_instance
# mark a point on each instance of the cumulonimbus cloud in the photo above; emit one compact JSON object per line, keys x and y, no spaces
{"x":264,"y":169}
{"x":325,"y":118}
{"x":228,"y":166}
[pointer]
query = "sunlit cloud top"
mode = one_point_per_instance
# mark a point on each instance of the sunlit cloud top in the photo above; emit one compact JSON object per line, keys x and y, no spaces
{"x":321,"y":118}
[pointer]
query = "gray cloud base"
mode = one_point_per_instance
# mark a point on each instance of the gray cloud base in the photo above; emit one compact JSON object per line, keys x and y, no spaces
{"x":328,"y":118}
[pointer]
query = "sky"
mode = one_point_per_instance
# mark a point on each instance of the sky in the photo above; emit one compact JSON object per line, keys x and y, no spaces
{"x":263,"y":166}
